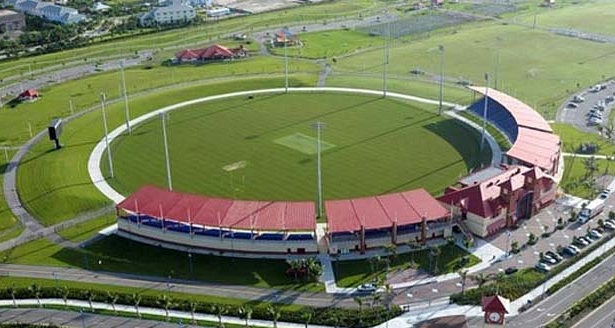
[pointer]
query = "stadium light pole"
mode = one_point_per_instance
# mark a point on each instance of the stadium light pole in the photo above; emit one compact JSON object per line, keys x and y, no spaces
{"x":386,"y":60}
{"x":285,"y":65}
{"x":319,"y":126}
{"x":125,"y":94}
{"x":103,"y":99}
{"x":482,"y":139}
{"x":441,"y":49}
{"x":497,"y":63}
{"x":163,"y":117}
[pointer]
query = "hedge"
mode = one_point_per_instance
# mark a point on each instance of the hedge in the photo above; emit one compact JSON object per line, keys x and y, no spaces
{"x":320,"y":316}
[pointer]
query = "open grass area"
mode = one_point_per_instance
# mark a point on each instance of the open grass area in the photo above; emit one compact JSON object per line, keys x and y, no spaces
{"x":85,"y":93}
{"x":89,"y":229}
{"x":371,"y":146}
{"x":356,"y":272}
{"x":116,"y":254}
{"x":331,"y":44}
{"x":524,"y":70}
{"x":55,"y":185}
{"x":579,"y":182}
{"x":573,"y":138}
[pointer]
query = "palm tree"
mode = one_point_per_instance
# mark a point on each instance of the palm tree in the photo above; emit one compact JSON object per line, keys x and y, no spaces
{"x":136,"y":300}
{"x":112,"y":299}
{"x":35,"y":290}
{"x":246,"y":313}
{"x":295,"y":266}
{"x":314,"y":269}
{"x":335,"y":319}
{"x":463,"y":274}
{"x":193,"y":306}
{"x":434,"y":253}
{"x":413,"y":247}
{"x":12,"y":292}
{"x":89,"y":295}
{"x":307,"y":317}
{"x":219,"y":311}
{"x":166,"y":302}
{"x":376,"y":298}
{"x":391,"y":251}
{"x":480,"y":279}
{"x":274,"y":313}
{"x":65,"y":293}
{"x":359,"y":302}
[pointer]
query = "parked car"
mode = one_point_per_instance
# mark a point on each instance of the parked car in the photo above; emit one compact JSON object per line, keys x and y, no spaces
{"x":610,"y":221}
{"x":570,"y":251}
{"x":578,"y":99}
{"x":542,"y":267}
{"x":595,"y":234}
{"x":581,"y":241}
{"x":367,"y":288}
{"x":511,"y":270}
{"x":572,"y":105}
{"x":604,"y":194}
{"x":587,"y":239}
{"x":608,"y":225}
{"x":548,"y":259}
{"x":554,"y":255}
{"x":576,"y":249}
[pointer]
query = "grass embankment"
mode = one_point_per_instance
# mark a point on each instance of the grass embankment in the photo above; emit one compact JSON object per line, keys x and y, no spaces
{"x":356,"y":272}
{"x":88,"y":229}
{"x":55,"y":185}
{"x":116,"y":254}
{"x":499,"y":137}
{"x":10,"y":227}
{"x":393,"y":152}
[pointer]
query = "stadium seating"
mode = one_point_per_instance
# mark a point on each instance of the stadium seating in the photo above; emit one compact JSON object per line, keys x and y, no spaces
{"x":377,"y":233}
{"x":407,"y":229}
{"x":239,"y":235}
{"x":498,"y":116}
{"x":300,"y":237}
{"x":270,"y":236}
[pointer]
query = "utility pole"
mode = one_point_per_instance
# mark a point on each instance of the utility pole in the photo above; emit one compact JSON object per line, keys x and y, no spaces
{"x":441,"y":48}
{"x":319,"y":126}
{"x":482,"y":139}
{"x":125,"y":98}
{"x":163,"y":116}
{"x":103,"y":98}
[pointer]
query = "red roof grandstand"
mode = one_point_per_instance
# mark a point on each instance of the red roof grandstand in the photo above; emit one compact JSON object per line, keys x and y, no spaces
{"x":219,"y":212}
{"x":378,"y":212}
{"x":536,"y":148}
{"x":525,"y":115}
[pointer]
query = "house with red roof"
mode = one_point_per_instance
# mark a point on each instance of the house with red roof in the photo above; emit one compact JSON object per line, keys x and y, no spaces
{"x":29,"y":95}
{"x":211,"y":53}
{"x":498,"y":197}
{"x":495,"y":308}
{"x":285,"y":37}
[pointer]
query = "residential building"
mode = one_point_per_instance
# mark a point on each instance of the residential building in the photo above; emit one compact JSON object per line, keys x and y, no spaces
{"x":11,"y":21}
{"x":176,"y":12}
{"x":47,"y":11}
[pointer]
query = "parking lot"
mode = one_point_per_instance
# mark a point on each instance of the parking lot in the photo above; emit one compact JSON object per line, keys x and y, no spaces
{"x":579,"y":109}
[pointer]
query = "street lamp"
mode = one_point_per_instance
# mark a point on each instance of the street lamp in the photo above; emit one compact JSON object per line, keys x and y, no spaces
{"x":125,"y":94}
{"x":482,"y":139}
{"x":319,"y":126}
{"x":103,"y":99}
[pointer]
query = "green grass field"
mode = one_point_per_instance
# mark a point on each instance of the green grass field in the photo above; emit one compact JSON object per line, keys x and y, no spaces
{"x":9,"y":226}
{"x":573,"y":138}
{"x":86,"y":230}
{"x":576,"y":180}
{"x":331,"y":44}
{"x":371,"y":146}
{"x":356,"y":272}
{"x":116,"y":254}
{"x":55,"y":185}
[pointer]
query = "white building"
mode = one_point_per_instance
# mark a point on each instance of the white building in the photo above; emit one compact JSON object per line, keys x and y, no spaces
{"x":47,"y":11}
{"x":176,"y":12}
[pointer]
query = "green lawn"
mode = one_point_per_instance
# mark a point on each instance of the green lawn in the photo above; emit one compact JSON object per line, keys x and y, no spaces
{"x":85,"y":92}
{"x":331,"y":44}
{"x":371,"y":146}
{"x":356,"y":272}
{"x":576,"y":180}
{"x":116,"y":254}
{"x":86,"y":230}
{"x":55,"y":185}
{"x":573,"y":138}
{"x":537,"y":67}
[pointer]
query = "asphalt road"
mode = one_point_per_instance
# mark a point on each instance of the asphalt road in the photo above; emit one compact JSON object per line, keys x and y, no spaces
{"x":76,"y":319}
{"x":181,"y":286}
{"x":578,"y":116}
{"x":603,"y":317}
{"x":551,"y":307}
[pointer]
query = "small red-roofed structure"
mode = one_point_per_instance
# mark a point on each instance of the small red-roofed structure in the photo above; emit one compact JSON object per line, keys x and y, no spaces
{"x":495,"y":308}
{"x":29,"y":95}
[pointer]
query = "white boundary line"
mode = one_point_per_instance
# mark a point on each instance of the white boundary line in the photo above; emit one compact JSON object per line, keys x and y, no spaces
{"x":95,"y":157}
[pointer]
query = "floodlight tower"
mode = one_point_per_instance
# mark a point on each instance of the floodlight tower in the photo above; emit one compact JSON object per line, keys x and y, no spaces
{"x":482,"y":139}
{"x":319,"y":126}
{"x":125,"y":94}
{"x":385,"y":67}
{"x":285,"y":64}
{"x":103,"y":99}
{"x":497,"y":63}
{"x":163,"y":117}
{"x":441,"y":49}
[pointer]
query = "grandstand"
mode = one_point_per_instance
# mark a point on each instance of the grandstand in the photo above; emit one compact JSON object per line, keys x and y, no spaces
{"x":217,"y":225}
{"x":532,"y":139}
{"x":376,"y":221}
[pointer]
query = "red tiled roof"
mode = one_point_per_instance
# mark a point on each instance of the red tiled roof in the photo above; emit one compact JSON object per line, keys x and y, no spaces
{"x":220,"y":212}
{"x":211,"y":52}
{"x":29,"y":93}
{"x":378,"y":212}
{"x":495,"y":303}
{"x":538,"y":148}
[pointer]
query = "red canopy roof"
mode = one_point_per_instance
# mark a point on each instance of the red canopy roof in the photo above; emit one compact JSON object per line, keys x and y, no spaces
{"x":29,"y":93}
{"x":495,"y":303}
{"x":220,"y":212}
{"x":538,"y":148}
{"x":379,"y":212}
{"x":211,"y":52}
